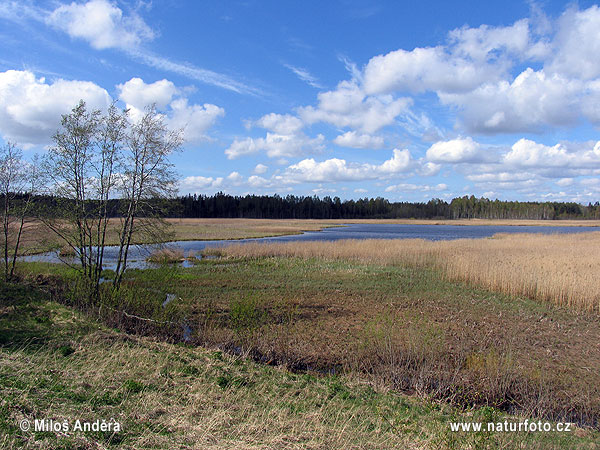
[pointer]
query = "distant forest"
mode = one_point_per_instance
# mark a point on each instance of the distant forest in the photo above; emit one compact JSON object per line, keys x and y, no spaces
{"x":300,"y":207}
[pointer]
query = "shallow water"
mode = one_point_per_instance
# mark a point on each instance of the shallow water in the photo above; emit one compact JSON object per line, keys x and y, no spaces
{"x":138,"y":254}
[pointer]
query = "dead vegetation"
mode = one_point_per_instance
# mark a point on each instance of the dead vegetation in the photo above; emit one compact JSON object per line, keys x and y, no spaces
{"x":560,"y":268}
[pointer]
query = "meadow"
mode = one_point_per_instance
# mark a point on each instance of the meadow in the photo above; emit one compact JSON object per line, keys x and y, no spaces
{"x":58,"y":363}
{"x":560,"y":269}
{"x":384,"y":341}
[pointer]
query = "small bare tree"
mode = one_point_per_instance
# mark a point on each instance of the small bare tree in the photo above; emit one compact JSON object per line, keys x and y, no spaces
{"x":102,"y":157}
{"x":82,"y":168}
{"x":18,"y":183}
{"x":148,"y":175}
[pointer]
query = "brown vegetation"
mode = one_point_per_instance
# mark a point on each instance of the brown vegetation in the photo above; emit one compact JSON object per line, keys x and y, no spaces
{"x":560,"y":268}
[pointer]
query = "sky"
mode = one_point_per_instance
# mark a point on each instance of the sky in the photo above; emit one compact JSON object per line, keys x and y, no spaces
{"x":350,"y":98}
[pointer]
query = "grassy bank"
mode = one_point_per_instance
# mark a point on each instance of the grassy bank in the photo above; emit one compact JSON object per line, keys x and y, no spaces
{"x":59,"y":364}
{"x":392,"y":325}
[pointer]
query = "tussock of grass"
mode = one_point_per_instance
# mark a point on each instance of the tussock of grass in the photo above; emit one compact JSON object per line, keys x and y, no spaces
{"x":560,"y":269}
{"x":170,"y":396}
{"x":166,"y":256}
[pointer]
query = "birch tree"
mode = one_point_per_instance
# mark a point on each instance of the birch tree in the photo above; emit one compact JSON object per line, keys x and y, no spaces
{"x":18,"y":184}
{"x":101,"y":157}
{"x":148,"y":175}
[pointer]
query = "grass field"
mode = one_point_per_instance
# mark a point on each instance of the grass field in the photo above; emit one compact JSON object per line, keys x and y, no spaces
{"x":59,"y":364}
{"x":398,"y":326}
{"x":560,"y":268}
{"x":385,"y":342}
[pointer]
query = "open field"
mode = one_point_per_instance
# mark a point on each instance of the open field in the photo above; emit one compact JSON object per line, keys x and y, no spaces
{"x":394,"y":325}
{"x":37,"y":238}
{"x":561,"y":269}
{"x":57,"y":363}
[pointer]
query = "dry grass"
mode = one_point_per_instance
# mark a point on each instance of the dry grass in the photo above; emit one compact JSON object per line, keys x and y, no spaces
{"x":56,"y":363}
{"x":561,"y":269}
{"x":166,"y":256}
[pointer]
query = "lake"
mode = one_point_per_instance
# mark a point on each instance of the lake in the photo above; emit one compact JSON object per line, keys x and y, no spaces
{"x":138,"y":254}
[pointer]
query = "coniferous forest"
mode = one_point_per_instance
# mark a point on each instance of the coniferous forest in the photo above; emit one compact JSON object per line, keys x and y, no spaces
{"x":300,"y":207}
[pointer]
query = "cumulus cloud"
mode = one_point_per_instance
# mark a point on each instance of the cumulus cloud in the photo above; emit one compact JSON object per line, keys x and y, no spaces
{"x":102,"y":24}
{"x":472,"y":73}
{"x":195,"y":120}
{"x":199,"y":184}
{"x":576,"y":42}
{"x":533,"y":100}
{"x":527,"y":153}
{"x":284,"y":139}
{"x":410,"y":187}
{"x":454,"y":151}
{"x":31,"y":108}
{"x":280,"y":123}
{"x":349,"y":106}
{"x":357,"y":140}
{"x":138,"y":94}
{"x":423,"y":69}
{"x":260,"y":169}
{"x":276,"y":146}
{"x":330,"y":170}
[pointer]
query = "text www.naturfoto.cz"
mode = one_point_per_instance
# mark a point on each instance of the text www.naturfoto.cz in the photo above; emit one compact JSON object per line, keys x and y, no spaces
{"x":506,"y":426}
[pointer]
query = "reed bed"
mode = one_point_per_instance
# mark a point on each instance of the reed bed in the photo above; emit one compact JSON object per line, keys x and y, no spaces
{"x":557,"y":268}
{"x":166,"y":256}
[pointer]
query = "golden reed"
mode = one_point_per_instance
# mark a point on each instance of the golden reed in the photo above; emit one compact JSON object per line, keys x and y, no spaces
{"x":559,"y":268}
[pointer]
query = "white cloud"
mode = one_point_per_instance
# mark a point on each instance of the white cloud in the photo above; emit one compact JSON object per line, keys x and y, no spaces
{"x":280,"y":123}
{"x":199,"y":184}
{"x":349,"y":106}
{"x":284,"y":139}
{"x":260,"y":169}
{"x":486,"y":43}
{"x":305,"y":76}
{"x":527,"y":153}
{"x":139,"y":94}
{"x":276,"y":146}
{"x":356,"y":140}
{"x":331,"y":170}
{"x":256,"y":181}
{"x":533,"y":100}
{"x":576,"y":44}
{"x":195,"y":120}
{"x":423,"y":69}
{"x":31,"y":108}
{"x":403,"y":187}
{"x":102,"y":24}
{"x":472,"y":71}
{"x":454,"y":151}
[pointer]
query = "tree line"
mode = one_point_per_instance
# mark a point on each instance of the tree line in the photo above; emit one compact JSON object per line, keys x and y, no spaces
{"x":304,"y":207}
{"x":223,"y":205}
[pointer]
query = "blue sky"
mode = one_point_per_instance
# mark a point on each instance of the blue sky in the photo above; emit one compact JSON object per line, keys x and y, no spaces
{"x":348,"y":98}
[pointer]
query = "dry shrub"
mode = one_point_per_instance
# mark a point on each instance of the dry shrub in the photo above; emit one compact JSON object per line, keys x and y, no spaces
{"x":558,"y":268}
{"x":166,"y":256}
